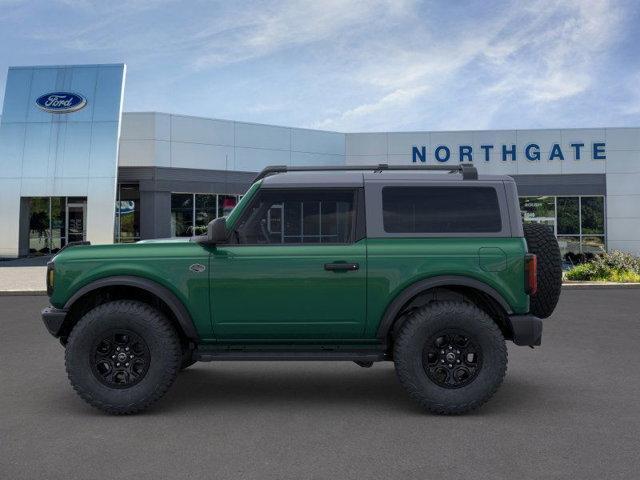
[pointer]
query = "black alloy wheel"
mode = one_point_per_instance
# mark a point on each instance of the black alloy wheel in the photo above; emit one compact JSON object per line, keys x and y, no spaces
{"x":120,"y":359}
{"x":452,"y":359}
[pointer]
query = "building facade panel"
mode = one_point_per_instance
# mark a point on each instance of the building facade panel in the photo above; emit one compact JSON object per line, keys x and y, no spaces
{"x":623,"y":139}
{"x":202,"y":130}
{"x":358,"y":144}
{"x":268,"y":137}
{"x":144,"y":153}
{"x":304,"y":158}
{"x":320,"y":142}
{"x":201,"y":155}
{"x":67,"y":119}
{"x":141,"y":126}
{"x":401,"y":143}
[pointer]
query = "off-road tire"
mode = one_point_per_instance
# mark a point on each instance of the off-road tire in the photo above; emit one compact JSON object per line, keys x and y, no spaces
{"x":164,"y":355}
{"x":428,"y":321}
{"x":542,"y":242}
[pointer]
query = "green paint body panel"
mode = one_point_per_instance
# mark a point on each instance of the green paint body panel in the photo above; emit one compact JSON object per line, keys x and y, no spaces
{"x":394,"y":264}
{"x":166,"y":263}
{"x":282,"y":294}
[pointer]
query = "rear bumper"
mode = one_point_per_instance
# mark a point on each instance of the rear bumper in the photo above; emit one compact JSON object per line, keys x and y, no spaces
{"x":527,"y":329}
{"x":53,"y":319}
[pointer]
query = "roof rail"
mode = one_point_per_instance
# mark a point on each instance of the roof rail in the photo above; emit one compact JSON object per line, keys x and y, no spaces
{"x":468,"y":172}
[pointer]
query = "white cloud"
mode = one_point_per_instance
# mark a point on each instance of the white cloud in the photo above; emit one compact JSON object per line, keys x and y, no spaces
{"x":550,"y":57}
{"x":349,"y":64}
{"x":285,"y":24}
{"x":537,"y":53}
{"x":398,"y":98}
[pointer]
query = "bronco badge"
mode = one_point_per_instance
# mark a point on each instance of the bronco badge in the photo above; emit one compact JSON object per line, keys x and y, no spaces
{"x":197,"y":268}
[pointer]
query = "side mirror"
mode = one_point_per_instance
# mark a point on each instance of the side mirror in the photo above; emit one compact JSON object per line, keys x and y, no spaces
{"x":217,"y":230}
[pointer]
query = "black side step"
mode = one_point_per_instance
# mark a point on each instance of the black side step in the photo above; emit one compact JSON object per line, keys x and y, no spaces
{"x":313,"y":355}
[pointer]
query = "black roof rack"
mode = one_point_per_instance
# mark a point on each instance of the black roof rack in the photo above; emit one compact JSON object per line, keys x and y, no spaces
{"x":468,"y":172}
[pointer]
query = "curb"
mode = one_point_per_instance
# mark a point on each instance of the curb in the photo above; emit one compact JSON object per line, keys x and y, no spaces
{"x":23,"y":293}
{"x":598,"y":285}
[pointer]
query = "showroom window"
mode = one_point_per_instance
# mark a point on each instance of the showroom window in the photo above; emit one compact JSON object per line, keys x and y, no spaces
{"x":191,"y":212}
{"x":578,"y":221}
{"x":127,"y":226}
{"x":54,"y":222}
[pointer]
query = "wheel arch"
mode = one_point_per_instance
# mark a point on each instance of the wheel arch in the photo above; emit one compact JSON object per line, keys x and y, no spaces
{"x":484,"y":296}
{"x":132,"y":287}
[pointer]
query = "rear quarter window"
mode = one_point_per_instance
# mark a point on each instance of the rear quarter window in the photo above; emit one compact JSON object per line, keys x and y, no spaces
{"x":441,"y":209}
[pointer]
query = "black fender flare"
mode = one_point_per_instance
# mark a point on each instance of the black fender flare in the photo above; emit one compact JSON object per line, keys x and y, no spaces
{"x":167,"y":296}
{"x":390,"y":314}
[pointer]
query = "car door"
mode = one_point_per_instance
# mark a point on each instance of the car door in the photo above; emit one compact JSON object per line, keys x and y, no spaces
{"x":295,"y":268}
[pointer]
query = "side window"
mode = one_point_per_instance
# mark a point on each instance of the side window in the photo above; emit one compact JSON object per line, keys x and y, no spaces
{"x":439,"y":209}
{"x":298,"y":216}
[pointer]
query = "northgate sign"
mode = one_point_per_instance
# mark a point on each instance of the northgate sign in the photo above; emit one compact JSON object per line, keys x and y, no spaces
{"x":531,"y":152}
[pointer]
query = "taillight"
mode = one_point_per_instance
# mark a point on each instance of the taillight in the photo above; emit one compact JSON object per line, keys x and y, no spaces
{"x":530,"y":274}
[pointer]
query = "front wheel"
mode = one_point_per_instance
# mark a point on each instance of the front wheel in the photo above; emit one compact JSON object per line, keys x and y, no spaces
{"x":451,"y":357}
{"x":122,"y":356}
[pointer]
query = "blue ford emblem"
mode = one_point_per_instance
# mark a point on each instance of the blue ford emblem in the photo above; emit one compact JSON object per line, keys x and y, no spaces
{"x":61,"y":102}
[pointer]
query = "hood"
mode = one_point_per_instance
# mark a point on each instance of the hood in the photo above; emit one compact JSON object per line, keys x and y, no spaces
{"x":167,"y":240}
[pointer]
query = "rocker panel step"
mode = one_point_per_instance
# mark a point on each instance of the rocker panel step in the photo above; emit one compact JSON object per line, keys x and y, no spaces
{"x":314,"y":355}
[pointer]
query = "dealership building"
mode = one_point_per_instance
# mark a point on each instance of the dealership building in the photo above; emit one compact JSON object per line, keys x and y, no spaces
{"x":74,"y":167}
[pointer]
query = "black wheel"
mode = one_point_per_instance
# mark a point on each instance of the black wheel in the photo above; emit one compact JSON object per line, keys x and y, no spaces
{"x":451,"y":357}
{"x":542,"y":242}
{"x":122,"y":356}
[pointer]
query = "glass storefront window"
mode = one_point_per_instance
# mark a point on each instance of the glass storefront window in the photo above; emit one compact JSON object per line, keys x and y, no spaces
{"x":192,"y":212}
{"x":226,"y":203}
{"x":39,"y":226}
{"x":579,"y":222}
{"x":568,"y":216}
{"x":127,"y":227}
{"x":539,"y":210}
{"x":58,"y":223}
{"x":593,"y":245}
{"x":568,"y":245}
{"x":592,"y":215}
{"x":181,"y":214}
{"x":205,"y":212}
{"x":54,"y":222}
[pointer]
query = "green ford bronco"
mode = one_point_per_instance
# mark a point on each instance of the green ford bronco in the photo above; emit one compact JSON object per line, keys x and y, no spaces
{"x":426,"y":266}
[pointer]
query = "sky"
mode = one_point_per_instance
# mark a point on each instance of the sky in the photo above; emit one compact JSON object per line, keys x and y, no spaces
{"x":351,"y":65}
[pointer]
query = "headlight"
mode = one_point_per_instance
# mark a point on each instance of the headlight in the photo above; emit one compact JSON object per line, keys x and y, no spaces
{"x":51,"y":273}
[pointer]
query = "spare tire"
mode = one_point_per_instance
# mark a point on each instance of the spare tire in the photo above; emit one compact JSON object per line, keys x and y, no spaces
{"x":543,"y":243}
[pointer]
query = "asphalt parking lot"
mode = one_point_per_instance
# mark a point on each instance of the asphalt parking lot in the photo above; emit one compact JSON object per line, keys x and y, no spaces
{"x":570,"y":409}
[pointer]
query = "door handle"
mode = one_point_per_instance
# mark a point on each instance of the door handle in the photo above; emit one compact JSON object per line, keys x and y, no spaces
{"x":341,"y":266}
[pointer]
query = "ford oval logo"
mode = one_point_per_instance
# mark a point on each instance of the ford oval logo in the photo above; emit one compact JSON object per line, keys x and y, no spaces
{"x":61,"y":102}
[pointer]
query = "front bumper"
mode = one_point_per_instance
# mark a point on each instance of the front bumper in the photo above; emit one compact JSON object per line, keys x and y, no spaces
{"x":527,"y":329}
{"x":53,"y":319}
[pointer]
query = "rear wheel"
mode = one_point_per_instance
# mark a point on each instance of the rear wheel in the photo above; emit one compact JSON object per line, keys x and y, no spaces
{"x":450,"y":357}
{"x":122,"y":356}
{"x":542,"y":242}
